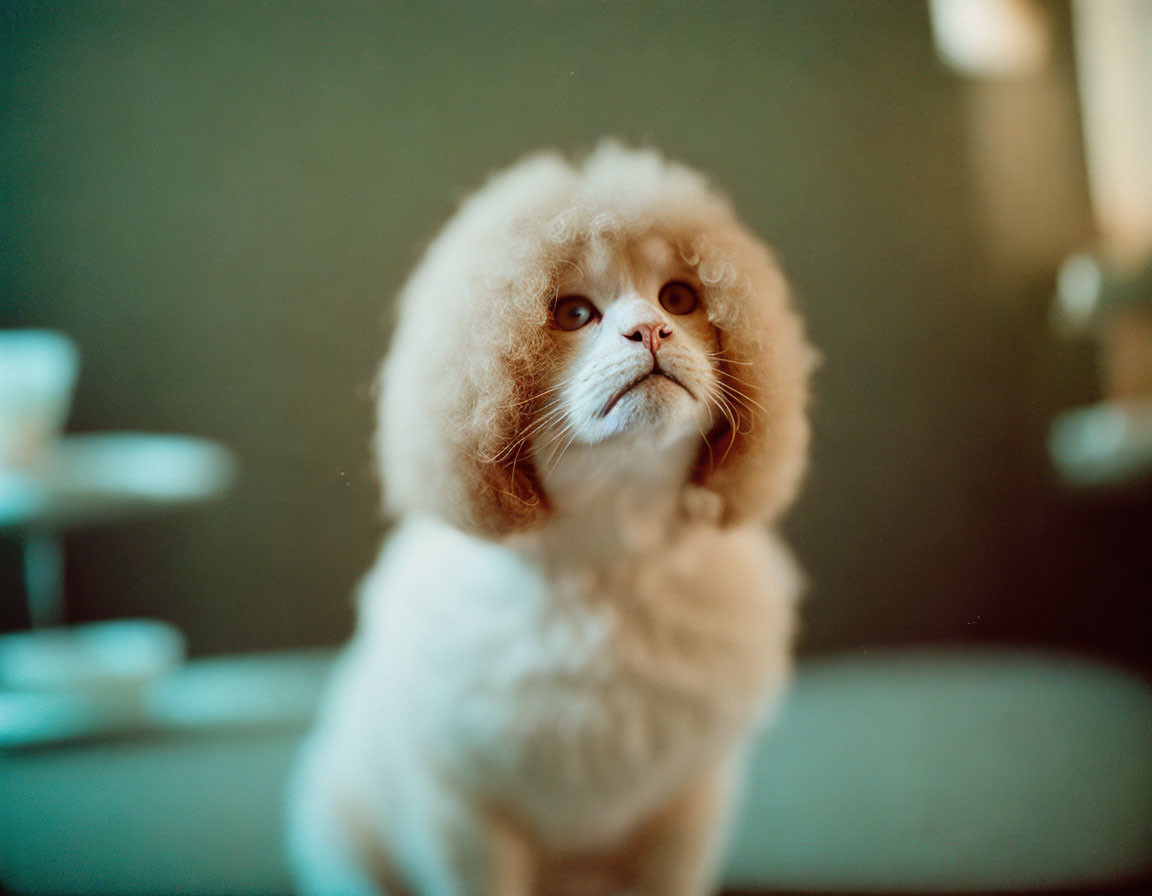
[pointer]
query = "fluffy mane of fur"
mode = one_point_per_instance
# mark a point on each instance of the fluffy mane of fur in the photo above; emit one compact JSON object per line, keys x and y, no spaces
{"x":470,"y":351}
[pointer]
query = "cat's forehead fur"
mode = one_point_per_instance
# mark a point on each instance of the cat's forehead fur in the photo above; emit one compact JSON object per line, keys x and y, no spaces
{"x":607,"y":264}
{"x":616,"y":193}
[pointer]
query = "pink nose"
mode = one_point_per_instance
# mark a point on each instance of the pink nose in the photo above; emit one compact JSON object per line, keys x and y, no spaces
{"x":651,"y":334}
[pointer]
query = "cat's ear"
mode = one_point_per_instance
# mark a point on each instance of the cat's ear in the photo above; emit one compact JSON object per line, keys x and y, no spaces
{"x":755,"y":457}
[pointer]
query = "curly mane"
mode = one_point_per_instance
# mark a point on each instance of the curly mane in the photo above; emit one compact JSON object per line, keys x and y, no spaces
{"x":470,"y":353}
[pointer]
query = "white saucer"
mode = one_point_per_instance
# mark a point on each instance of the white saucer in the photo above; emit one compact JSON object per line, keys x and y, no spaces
{"x":66,"y":683}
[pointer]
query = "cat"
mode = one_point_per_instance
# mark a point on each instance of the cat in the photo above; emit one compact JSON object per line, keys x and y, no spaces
{"x":593,"y":407}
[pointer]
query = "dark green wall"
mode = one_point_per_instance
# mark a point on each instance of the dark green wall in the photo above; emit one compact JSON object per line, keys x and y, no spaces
{"x":218,"y":201}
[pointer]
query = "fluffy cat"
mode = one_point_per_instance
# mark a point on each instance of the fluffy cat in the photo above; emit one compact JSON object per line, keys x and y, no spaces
{"x":592,"y":408}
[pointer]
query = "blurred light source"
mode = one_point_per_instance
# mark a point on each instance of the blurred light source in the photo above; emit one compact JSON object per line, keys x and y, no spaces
{"x":990,"y":38}
{"x":1114,"y":68}
{"x":1107,"y":445}
{"x":1079,"y":289}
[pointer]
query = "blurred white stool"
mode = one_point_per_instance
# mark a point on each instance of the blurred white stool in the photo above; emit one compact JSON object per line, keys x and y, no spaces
{"x":58,"y":682}
{"x":95,"y":478}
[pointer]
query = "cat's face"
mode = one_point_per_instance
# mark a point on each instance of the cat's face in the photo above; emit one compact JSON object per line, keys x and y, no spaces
{"x":638,"y":353}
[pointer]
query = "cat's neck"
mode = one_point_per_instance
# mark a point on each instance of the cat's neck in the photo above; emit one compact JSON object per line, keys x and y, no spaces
{"x":615,"y":499}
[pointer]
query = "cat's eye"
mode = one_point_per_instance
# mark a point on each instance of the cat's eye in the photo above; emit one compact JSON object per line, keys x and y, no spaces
{"x":573,"y":312}
{"x":678,"y":297}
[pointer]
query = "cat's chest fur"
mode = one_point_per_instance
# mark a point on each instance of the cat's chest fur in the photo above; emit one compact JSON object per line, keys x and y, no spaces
{"x":575,"y":692}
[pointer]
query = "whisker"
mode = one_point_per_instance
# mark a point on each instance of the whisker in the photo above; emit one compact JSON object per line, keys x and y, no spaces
{"x":725,"y":407}
{"x":553,"y":439}
{"x":727,"y":451}
{"x":744,"y":399}
{"x":733,"y":415}
{"x":535,"y":397}
{"x":720,"y":356}
{"x":707,"y":443}
{"x":556,"y":458}
{"x":729,"y":375}
{"x":515,"y":460}
{"x":512,"y":449}
{"x":555,"y":436}
{"x":552,"y":412}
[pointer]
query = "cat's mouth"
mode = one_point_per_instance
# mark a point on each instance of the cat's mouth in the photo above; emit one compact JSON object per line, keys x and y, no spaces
{"x":656,"y":371}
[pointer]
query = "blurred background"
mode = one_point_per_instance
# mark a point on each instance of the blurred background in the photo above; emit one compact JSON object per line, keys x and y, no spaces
{"x":217,"y":202}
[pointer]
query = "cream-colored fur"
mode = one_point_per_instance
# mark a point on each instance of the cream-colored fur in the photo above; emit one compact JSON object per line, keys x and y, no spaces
{"x":581,"y":616}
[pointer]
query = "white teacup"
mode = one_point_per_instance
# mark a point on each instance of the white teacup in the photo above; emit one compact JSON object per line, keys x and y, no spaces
{"x":37,"y":375}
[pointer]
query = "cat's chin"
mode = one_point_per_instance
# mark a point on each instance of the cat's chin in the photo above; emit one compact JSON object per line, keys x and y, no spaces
{"x":656,"y":411}
{"x":639,"y":441}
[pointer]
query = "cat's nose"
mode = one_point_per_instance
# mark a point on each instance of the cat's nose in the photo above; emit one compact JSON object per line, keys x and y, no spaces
{"x":650,"y":334}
